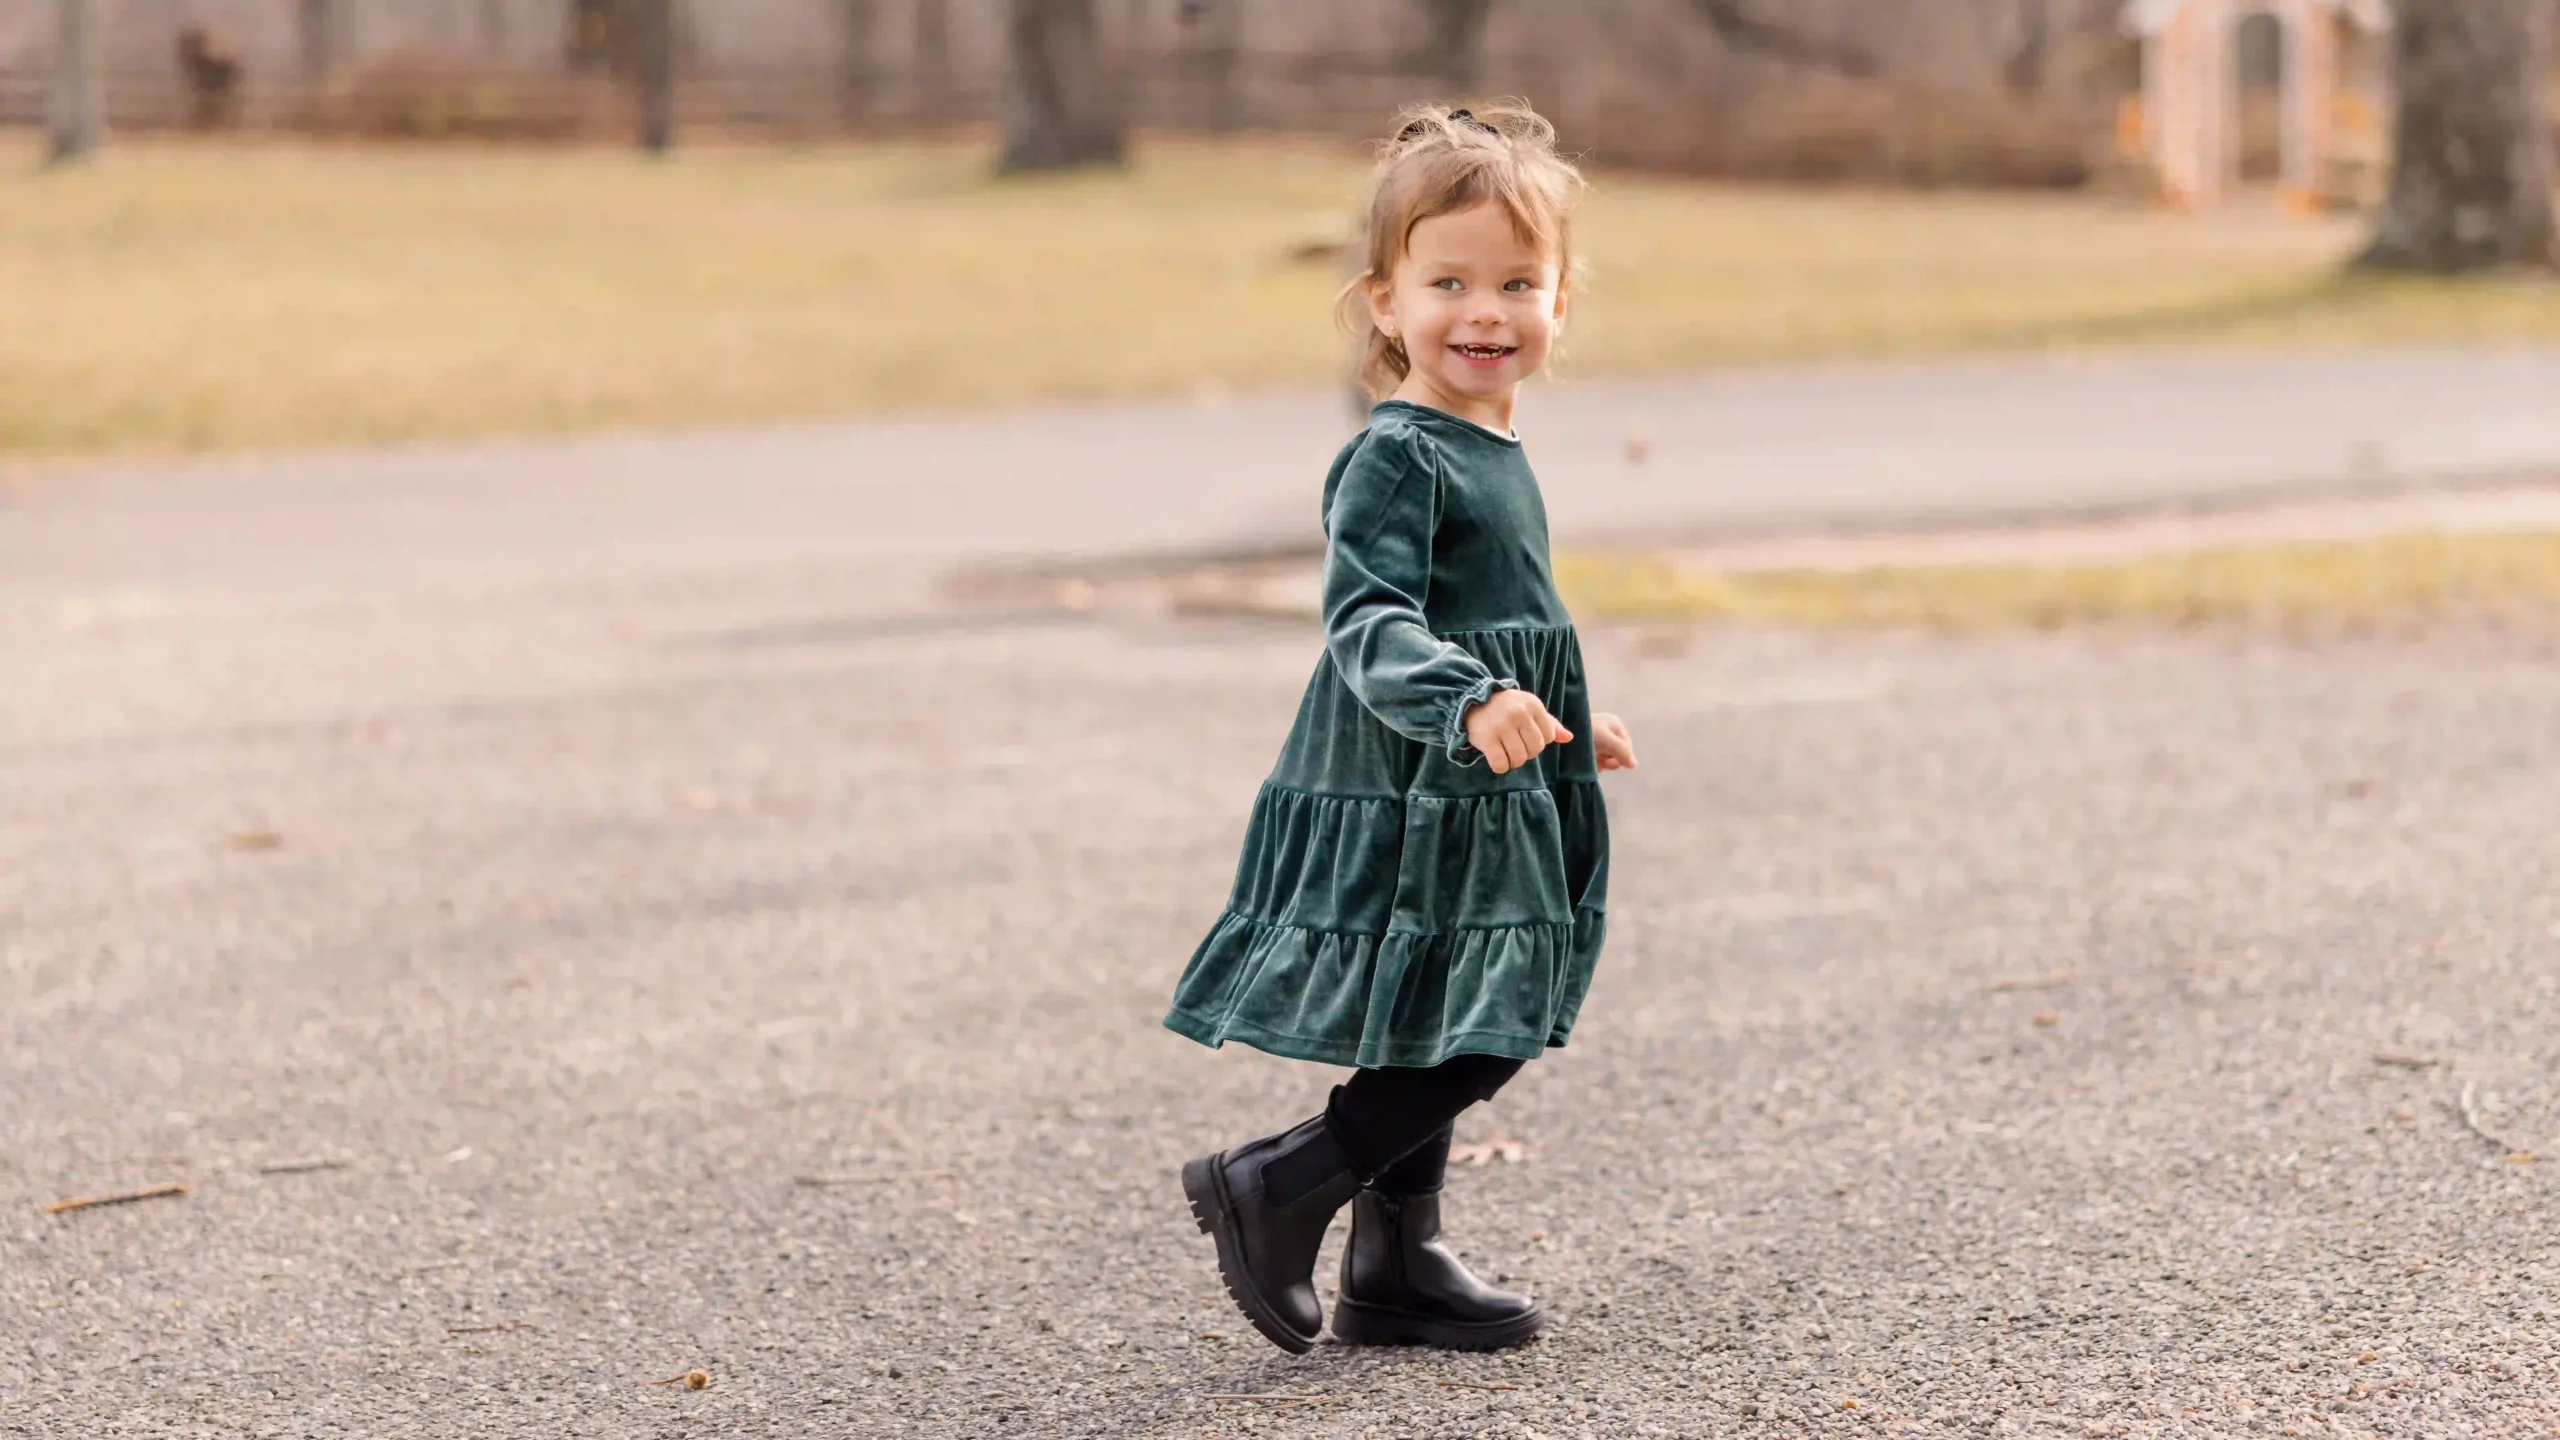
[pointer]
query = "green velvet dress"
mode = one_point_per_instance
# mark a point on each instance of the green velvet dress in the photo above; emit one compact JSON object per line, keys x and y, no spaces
{"x":1399,"y":903}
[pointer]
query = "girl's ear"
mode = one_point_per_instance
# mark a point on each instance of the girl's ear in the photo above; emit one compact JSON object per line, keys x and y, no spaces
{"x":1564,"y":298}
{"x":1382,"y":304}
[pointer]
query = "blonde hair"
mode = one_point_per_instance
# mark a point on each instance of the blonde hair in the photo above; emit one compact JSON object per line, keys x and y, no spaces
{"x":1442,"y":161}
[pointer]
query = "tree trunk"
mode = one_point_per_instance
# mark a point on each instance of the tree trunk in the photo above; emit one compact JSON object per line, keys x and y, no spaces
{"x":2471,"y":186}
{"x":2031,"y":53}
{"x":861,"y":60}
{"x":78,"y":118}
{"x":316,"y":35}
{"x":1747,"y":31}
{"x":1453,"y":47}
{"x":657,"y":75}
{"x":1222,"y":66}
{"x":1061,"y":111}
{"x":933,"y":60}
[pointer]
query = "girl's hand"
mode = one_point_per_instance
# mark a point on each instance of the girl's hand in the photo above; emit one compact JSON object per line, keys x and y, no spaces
{"x":1511,"y":728}
{"x":1609,"y":738}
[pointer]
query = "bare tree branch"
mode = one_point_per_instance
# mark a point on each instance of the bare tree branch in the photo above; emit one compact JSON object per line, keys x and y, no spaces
{"x":1743,"y":29}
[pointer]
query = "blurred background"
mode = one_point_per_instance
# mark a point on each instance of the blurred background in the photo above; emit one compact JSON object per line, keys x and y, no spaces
{"x":350,"y":220}
{"x":636,"y":636}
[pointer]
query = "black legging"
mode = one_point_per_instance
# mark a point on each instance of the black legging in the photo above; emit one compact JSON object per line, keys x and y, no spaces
{"x":1389,"y":1127}
{"x":1394,"y":1123}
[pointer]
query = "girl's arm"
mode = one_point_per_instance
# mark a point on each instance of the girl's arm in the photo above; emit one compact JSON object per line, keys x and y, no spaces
{"x":1377,"y":574}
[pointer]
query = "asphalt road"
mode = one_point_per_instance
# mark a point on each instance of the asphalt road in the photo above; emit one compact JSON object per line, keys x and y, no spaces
{"x":1740,"y":453}
{"x":2078,"y":1034}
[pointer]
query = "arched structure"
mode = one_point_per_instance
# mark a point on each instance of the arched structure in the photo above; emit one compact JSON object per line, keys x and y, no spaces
{"x":2191,"y":91}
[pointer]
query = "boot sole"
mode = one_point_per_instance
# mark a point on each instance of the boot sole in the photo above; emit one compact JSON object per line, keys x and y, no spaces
{"x":1205,"y":1184}
{"x":1358,"y":1324}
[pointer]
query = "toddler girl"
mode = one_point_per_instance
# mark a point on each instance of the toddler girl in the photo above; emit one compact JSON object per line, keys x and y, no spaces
{"x":1421,"y":890}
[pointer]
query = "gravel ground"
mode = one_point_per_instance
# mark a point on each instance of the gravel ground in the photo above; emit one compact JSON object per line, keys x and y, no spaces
{"x":2036,"y":1035}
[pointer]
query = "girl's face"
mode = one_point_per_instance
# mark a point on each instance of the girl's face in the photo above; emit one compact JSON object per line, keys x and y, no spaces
{"x":1477,"y":308}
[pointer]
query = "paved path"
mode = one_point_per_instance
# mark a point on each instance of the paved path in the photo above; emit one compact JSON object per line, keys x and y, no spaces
{"x":1747,"y":451}
{"x":2053,"y":1035}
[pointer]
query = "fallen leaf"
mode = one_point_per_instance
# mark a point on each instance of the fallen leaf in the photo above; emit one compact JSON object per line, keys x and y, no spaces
{"x":2048,"y":1020}
{"x":252,"y":841}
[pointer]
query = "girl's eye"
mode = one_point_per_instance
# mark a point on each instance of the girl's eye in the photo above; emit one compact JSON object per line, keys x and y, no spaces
{"x":1518,"y":287}
{"x":1449,"y":282}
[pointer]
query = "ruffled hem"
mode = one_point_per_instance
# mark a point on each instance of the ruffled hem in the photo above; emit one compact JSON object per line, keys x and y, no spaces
{"x":1395,"y":907}
{"x":1424,"y":864}
{"x":1396,"y":999}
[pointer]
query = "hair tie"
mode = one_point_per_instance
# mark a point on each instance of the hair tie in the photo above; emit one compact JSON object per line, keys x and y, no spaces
{"x":1416,"y":129}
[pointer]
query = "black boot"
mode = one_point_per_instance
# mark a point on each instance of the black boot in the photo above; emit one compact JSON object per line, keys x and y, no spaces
{"x":1268,"y":1202}
{"x":1401,"y":1286}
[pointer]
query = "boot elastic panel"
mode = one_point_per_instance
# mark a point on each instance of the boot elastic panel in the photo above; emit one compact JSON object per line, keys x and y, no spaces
{"x":1307,"y":1157}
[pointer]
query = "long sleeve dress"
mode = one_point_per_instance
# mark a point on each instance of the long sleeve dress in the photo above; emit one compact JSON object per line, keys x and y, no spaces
{"x":1399,"y":903}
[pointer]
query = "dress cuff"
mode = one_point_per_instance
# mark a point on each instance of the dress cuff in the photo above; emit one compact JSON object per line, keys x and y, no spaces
{"x":1474,"y":695}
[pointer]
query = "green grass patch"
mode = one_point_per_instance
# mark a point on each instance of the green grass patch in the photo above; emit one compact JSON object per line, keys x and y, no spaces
{"x":2396,"y":577}
{"x":194,"y":296}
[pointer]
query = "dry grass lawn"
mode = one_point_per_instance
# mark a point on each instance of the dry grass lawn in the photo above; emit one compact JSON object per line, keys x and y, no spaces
{"x":2387,"y":579}
{"x":183,"y":297}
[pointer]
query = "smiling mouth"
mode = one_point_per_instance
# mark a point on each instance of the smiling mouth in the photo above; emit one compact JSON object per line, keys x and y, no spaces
{"x":1485,"y":354}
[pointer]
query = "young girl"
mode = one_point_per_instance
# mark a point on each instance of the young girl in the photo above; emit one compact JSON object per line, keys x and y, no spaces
{"x":1421,"y":889}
